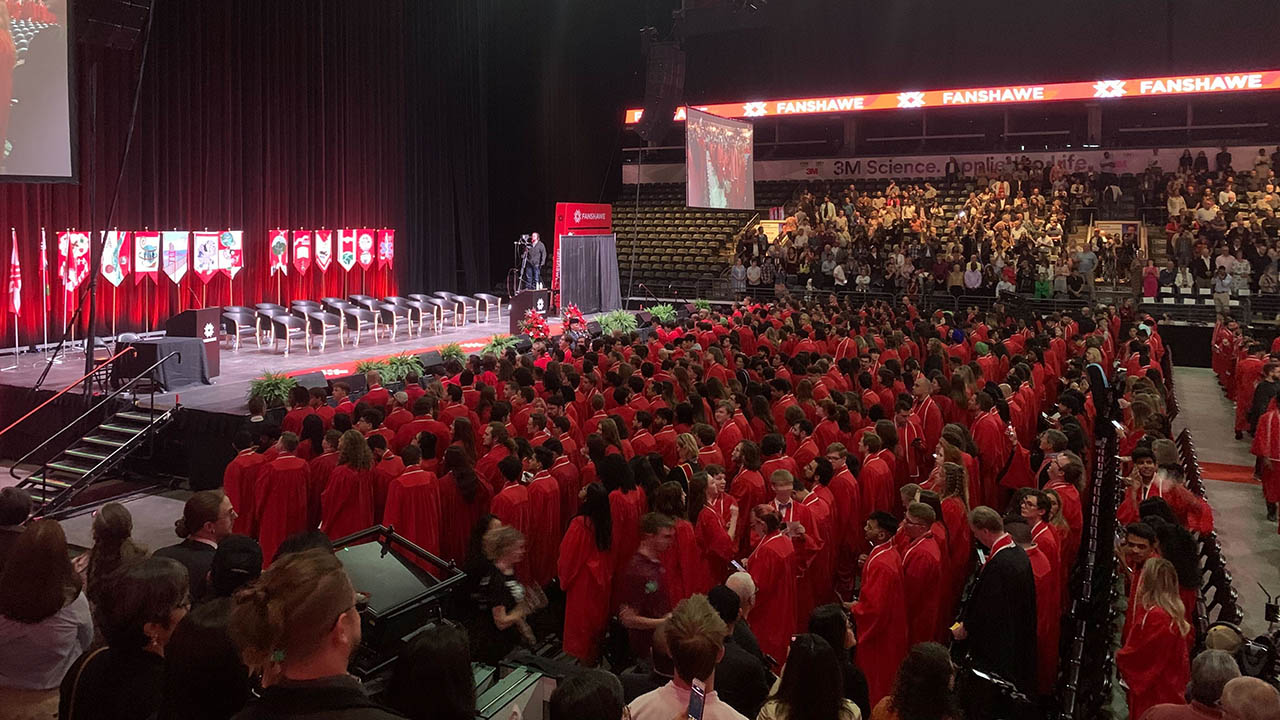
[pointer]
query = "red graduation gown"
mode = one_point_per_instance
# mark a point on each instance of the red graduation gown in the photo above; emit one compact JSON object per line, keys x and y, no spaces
{"x":413,"y":509}
{"x":544,"y":538}
{"x":1153,"y":661}
{"x":921,"y":582}
{"x":625,"y":514}
{"x":682,"y":563}
{"x":569,"y":482}
{"x":384,"y":471}
{"x":774,"y":569}
{"x":346,"y":506}
{"x":877,"y":485}
{"x":586,"y":576}
{"x":1073,"y":514}
{"x":715,"y":547}
{"x":321,"y":468}
{"x":880,"y":617}
{"x":993,"y":450}
{"x":1266,"y":446}
{"x":281,"y":501}
{"x":458,"y":517}
{"x":238,"y":482}
{"x":1048,"y":617}
{"x":821,"y":573}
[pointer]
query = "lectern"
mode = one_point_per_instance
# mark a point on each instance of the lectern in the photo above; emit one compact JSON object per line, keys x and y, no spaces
{"x":525,"y":300}
{"x":202,"y":324}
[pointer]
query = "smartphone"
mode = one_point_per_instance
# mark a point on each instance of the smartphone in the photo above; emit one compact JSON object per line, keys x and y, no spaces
{"x":737,"y":566}
{"x":697,"y":700}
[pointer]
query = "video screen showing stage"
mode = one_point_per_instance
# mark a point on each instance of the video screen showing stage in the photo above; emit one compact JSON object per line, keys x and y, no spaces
{"x":35,"y":108}
{"x":718,"y":160}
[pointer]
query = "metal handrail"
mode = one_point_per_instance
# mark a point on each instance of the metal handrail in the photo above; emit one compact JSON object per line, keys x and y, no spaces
{"x":63,"y":391}
{"x":13,"y":469}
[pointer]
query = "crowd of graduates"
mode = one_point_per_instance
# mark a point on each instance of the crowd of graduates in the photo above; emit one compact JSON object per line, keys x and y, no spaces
{"x":842,"y":454}
{"x":1249,"y":372}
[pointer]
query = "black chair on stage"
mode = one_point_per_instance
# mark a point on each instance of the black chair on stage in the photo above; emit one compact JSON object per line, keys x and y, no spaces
{"x":238,"y":322}
{"x":491,"y":302}
{"x":394,"y":317}
{"x":302,"y":307}
{"x":287,"y":326}
{"x":266,"y":311}
{"x":365,"y":301}
{"x":462,"y":303}
{"x":323,"y":324}
{"x":417,"y":310}
{"x":358,"y":319}
{"x":443,"y":310}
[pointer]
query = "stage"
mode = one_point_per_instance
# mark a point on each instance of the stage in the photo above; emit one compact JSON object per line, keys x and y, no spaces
{"x":197,"y":444}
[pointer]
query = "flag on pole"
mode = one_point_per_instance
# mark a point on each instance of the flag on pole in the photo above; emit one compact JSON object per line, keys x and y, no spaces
{"x":347,"y":249}
{"x":44,"y":263}
{"x":115,"y":256}
{"x":324,"y":249}
{"x":15,"y":276}
{"x":231,"y":252}
{"x":279,"y":249}
{"x":73,"y":259}
{"x":302,"y":250}
{"x":146,"y":256}
{"x":176,"y":248}
{"x":386,"y":248}
{"x":204,"y":259}
{"x":365,"y":243}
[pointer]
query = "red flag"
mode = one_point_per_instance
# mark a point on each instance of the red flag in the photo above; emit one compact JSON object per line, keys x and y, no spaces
{"x":15,"y":277}
{"x":324,"y":249}
{"x":278,"y":246}
{"x":146,"y":256}
{"x":302,"y":250}
{"x":365,"y":248}
{"x":73,"y":259}
{"x":386,"y":248}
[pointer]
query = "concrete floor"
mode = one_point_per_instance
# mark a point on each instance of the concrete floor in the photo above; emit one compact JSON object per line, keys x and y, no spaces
{"x":1249,"y":541}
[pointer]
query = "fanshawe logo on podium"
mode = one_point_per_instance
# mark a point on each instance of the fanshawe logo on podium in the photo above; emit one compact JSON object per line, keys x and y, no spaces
{"x":208,"y":331}
{"x":541,"y":305}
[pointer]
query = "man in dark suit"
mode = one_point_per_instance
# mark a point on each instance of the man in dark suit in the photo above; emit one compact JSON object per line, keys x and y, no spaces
{"x":742,"y":635}
{"x":742,"y":679}
{"x":206,"y":519}
{"x":15,"y":508}
{"x":999,"y":620}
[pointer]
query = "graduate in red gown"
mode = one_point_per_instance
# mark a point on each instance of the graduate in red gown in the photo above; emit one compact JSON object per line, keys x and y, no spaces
{"x":876,"y":481}
{"x":413,"y":504}
{"x":713,"y":533}
{"x":498,"y":445}
{"x":239,"y":482}
{"x":387,"y":466}
{"x":585,"y":569}
{"x":880,"y":615}
{"x":1065,"y":476}
{"x":955,"y":518}
{"x":1153,"y":661}
{"x":992,"y":441}
{"x":544,"y":501}
{"x":774,"y":569}
{"x":281,"y":497}
{"x":624,"y":509}
{"x":1248,"y":373}
{"x":346,"y":506}
{"x":818,"y":588}
{"x":321,"y":467}
{"x":512,"y":506}
{"x":1147,"y":481}
{"x":683,"y":566}
{"x":464,"y":499}
{"x":1048,"y":605}
{"x":1266,"y":447}
{"x":922,"y":575}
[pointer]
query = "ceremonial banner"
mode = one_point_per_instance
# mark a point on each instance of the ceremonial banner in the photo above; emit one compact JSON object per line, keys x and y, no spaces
{"x":365,"y":243}
{"x":347,"y":249}
{"x":278,"y":247}
{"x":174,"y":249}
{"x":73,"y":259}
{"x":302,"y":250}
{"x":204,"y":260}
{"x":146,"y":256}
{"x":15,"y":277}
{"x":324,"y":249}
{"x":231,"y":252}
{"x":115,"y":256}
{"x":386,"y":248}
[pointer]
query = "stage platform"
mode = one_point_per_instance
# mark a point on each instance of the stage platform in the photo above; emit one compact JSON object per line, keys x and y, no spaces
{"x":196,"y":446}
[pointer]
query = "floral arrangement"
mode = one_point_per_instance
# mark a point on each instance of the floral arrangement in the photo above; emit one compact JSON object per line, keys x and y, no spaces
{"x":573,"y":316}
{"x":535,"y":325}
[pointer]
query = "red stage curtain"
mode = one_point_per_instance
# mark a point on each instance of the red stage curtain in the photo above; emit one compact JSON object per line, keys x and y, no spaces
{"x":254,"y":115}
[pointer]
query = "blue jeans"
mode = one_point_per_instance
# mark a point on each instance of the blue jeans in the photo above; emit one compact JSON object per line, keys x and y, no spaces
{"x":531,"y":276}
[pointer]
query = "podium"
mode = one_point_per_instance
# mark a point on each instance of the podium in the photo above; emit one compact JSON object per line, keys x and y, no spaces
{"x":526,"y":300}
{"x":202,"y":324}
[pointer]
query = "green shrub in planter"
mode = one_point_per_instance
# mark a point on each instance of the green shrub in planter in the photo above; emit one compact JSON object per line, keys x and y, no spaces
{"x":663,"y":313}
{"x":618,"y":321}
{"x":272,"y":388}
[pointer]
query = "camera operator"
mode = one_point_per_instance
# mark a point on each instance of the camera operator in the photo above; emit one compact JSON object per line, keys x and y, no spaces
{"x":535,"y":256}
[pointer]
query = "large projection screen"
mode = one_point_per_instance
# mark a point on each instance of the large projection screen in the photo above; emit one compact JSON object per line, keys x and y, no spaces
{"x":718,"y":162}
{"x":35,"y":91}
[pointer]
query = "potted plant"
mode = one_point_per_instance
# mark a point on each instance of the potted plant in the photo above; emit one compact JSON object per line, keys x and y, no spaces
{"x":399,"y":366}
{"x":618,"y":321}
{"x":453,"y":351}
{"x":272,"y":388}
{"x":499,"y":344}
{"x":663,"y":313}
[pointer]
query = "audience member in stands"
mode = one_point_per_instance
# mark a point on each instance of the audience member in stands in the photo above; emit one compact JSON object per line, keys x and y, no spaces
{"x":587,"y":695}
{"x":1153,"y":661}
{"x":236,"y":562}
{"x":204,"y":677}
{"x":695,"y":635}
{"x":1210,"y":672}
{"x":742,"y":679}
{"x":297,"y":627}
{"x":142,"y":605}
{"x":15,"y":508}
{"x":439,"y":658}
{"x":923,"y":687}
{"x":113,"y":546}
{"x":44,"y":619}
{"x":207,"y":518}
{"x":811,"y":685}
{"x":1249,"y":698}
{"x":833,"y":624}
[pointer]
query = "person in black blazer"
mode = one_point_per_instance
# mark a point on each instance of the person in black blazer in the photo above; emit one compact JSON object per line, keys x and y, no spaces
{"x":999,"y":620}
{"x":742,"y":679}
{"x":206,"y":519}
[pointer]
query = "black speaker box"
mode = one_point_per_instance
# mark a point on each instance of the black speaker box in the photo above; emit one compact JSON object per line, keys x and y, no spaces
{"x":431,"y":360}
{"x":524,"y":344}
{"x":593,"y":328}
{"x":310,"y":380}
{"x":663,"y":89}
{"x":356,"y":382}
{"x":644,"y":318}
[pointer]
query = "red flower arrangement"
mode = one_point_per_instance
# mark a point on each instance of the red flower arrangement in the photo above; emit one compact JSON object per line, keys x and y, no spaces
{"x":535,"y":325}
{"x":573,"y":316}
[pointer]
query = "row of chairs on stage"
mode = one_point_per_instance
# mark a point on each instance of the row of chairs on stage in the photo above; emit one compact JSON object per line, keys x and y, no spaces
{"x":308,"y":320}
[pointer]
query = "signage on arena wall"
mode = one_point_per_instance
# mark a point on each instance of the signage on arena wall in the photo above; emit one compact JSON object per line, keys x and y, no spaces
{"x":579,"y":219}
{"x":1252,"y":80}
{"x":934,"y":166}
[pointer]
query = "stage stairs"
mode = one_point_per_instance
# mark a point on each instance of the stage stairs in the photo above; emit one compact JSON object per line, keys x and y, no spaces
{"x":94,"y":457}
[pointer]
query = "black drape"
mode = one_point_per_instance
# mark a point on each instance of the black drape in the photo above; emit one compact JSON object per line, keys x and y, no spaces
{"x":446,"y":145}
